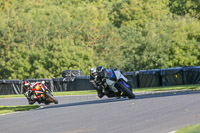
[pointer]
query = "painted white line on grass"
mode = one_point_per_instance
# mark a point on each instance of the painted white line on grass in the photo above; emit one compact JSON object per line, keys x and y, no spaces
{"x":14,"y":98}
{"x":172,"y":132}
{"x":10,"y":113}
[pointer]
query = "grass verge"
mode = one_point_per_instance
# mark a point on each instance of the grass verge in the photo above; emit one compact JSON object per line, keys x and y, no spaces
{"x":167,"y":88}
{"x":63,"y":93}
{"x":11,"y":109}
{"x":190,"y":129}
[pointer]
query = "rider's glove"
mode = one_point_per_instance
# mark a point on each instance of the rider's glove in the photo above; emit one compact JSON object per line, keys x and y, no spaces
{"x":104,"y":80}
{"x":99,"y":87}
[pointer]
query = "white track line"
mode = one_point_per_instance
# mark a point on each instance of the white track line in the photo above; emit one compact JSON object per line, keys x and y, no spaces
{"x":172,"y":132}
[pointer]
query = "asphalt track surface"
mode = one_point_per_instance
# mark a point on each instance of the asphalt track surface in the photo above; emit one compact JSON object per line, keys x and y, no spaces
{"x":148,"y":113}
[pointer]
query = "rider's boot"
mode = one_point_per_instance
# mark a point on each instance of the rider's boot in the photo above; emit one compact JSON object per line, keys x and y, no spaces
{"x":39,"y":100}
{"x":117,"y":95}
{"x":100,"y":94}
{"x":31,"y":101}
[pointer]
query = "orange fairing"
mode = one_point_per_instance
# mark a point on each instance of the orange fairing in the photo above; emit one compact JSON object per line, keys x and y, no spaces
{"x":39,"y":92}
{"x":42,"y":85}
{"x":37,"y":88}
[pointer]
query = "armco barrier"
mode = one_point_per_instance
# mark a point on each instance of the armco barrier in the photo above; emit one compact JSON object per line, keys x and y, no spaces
{"x":133,"y":78}
{"x":138,"y":79}
{"x":11,"y":87}
{"x":172,"y":76}
{"x":82,"y":83}
{"x":63,"y":84}
{"x":149,"y":78}
{"x":191,"y":75}
{"x":67,"y":84}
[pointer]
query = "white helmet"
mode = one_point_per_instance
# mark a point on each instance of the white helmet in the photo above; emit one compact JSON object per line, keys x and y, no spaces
{"x":93,"y":70}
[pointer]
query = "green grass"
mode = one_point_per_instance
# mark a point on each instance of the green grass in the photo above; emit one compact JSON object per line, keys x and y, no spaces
{"x":11,"y":109}
{"x":190,"y":129}
{"x":63,"y":93}
{"x":167,"y":88}
{"x":11,"y":96}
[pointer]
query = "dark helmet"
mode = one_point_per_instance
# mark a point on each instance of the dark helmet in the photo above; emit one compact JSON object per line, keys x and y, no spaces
{"x":26,"y":84}
{"x":100,"y":68}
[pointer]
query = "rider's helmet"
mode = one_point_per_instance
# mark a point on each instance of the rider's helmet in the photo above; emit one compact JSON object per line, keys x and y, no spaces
{"x":100,"y":71}
{"x":93,"y":72}
{"x":27,"y":84}
{"x":100,"y":68}
{"x":43,"y":82}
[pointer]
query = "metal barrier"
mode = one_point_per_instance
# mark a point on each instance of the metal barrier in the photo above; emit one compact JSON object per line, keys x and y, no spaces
{"x":137,"y":79}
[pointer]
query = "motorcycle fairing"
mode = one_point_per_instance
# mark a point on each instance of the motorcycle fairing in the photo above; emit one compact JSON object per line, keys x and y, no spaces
{"x":110,"y":74}
{"x":119,"y":75}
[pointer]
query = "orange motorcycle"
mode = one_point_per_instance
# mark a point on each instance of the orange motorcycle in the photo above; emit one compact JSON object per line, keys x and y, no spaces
{"x":41,"y":94}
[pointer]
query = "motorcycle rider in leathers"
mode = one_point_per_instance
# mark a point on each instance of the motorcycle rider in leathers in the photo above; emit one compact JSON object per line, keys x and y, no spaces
{"x":107,"y":76}
{"x":96,"y":82}
{"x":30,"y":88}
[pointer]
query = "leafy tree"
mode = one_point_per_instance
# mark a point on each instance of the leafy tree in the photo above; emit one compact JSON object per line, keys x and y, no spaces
{"x":183,"y":7}
{"x":137,"y":12}
{"x":163,"y":44}
{"x":40,"y":39}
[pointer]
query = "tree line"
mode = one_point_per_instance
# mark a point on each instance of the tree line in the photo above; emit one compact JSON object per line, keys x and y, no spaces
{"x":42,"y":38}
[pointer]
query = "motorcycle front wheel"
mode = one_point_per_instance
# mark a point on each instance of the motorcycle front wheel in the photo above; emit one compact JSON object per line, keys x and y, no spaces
{"x":127,"y":91}
{"x":51,"y":98}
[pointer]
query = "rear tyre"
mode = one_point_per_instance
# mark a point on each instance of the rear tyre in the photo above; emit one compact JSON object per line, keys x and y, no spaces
{"x":51,"y":98}
{"x":127,"y":91}
{"x":31,"y":102}
{"x":46,"y":103}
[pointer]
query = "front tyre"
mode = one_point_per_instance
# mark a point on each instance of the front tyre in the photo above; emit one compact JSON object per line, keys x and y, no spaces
{"x":127,"y":91}
{"x":51,"y":98}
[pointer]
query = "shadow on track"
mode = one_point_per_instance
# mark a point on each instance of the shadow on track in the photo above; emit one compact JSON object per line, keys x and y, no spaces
{"x":110,"y":100}
{"x":99,"y":101}
{"x":166,"y":94}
